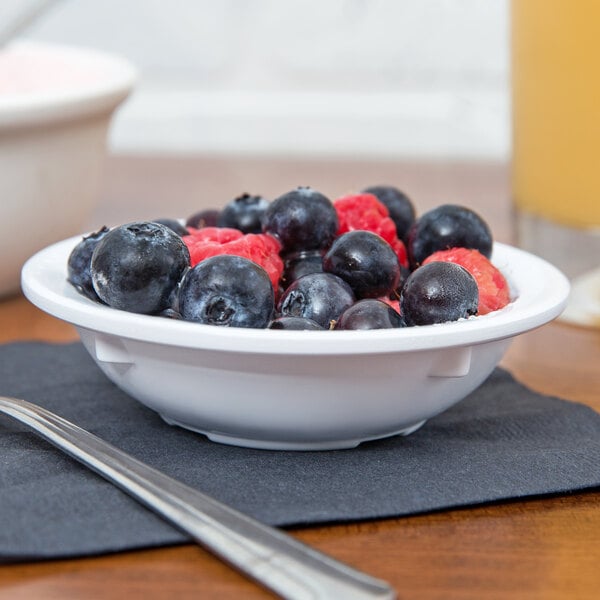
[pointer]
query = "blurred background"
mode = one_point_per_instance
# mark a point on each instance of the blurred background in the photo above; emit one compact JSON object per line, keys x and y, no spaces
{"x":342,"y":78}
{"x":261,"y":96}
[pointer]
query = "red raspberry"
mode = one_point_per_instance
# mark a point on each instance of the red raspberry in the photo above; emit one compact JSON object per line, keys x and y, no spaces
{"x":365,"y":211}
{"x":395,"y":304}
{"x":261,"y":248}
{"x":494,"y":292}
{"x":218,"y":235}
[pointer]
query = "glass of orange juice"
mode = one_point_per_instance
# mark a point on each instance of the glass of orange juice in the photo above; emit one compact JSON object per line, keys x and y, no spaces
{"x":556,"y":141}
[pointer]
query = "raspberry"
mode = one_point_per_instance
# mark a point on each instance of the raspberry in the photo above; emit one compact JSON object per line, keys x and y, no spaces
{"x":493,"y":287}
{"x":365,"y":211}
{"x":218,"y":235}
{"x":261,"y":248}
{"x":395,"y":304}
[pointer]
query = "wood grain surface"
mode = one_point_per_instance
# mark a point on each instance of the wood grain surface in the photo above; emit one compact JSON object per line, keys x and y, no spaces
{"x":541,"y":548}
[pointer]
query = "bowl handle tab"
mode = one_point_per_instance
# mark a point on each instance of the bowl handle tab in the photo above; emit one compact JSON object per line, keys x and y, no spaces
{"x":452,"y":363}
{"x":108,"y":349}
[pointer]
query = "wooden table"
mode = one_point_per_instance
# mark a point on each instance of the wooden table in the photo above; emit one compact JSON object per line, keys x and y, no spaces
{"x":543,"y":548}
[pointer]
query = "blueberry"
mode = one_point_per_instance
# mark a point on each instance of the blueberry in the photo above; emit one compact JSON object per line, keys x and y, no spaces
{"x":229,"y":291}
{"x":369,"y":314}
{"x":365,"y":261}
{"x":170,"y":313}
{"x":301,"y":263}
{"x":174,"y":225}
{"x":322,"y":297}
{"x":295,"y":324}
{"x":244,"y":213}
{"x":448,"y":226}
{"x":302,"y":219}
{"x":404,"y":275}
{"x":137,"y":267}
{"x":399,"y":205}
{"x":203,"y":218}
{"x":78,"y":264}
{"x":438,"y":292}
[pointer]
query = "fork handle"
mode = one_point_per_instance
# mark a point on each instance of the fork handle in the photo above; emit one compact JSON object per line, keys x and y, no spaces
{"x":278,"y":561}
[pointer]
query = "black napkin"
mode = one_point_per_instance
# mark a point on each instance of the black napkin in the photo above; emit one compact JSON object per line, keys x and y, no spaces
{"x":504,"y":441}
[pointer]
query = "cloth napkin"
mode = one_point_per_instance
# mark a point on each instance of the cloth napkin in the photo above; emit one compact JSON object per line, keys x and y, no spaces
{"x":503,"y":441}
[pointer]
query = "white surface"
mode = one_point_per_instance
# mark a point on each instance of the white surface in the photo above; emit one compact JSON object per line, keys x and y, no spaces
{"x":52,"y":145}
{"x":410,"y":123}
{"x":584,"y":302}
{"x":431,"y":76}
{"x":297,"y":389}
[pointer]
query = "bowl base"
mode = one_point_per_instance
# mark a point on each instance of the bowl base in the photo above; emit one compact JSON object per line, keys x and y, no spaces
{"x":269,"y":444}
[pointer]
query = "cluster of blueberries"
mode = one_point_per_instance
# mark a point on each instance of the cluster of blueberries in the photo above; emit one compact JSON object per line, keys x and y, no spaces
{"x":331,"y":281}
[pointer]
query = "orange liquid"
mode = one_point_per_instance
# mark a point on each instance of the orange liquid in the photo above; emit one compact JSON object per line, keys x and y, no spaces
{"x":556,"y":110}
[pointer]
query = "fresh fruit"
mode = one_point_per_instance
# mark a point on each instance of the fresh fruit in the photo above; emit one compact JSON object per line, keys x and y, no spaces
{"x":174,"y":225}
{"x":366,"y":212}
{"x":494,"y":292}
{"x":301,"y":263}
{"x":244,"y":213}
{"x":404,"y":275}
{"x":213,"y":241}
{"x":295,"y":324}
{"x":170,"y":313}
{"x":365,"y":261}
{"x":438,"y":292}
{"x":392,"y":302}
{"x":321,"y":297}
{"x":369,"y":314}
{"x":203,"y":218}
{"x":228,"y":291}
{"x":301,"y":220}
{"x":399,"y":205}
{"x":323,"y":262}
{"x":212,"y":235}
{"x":137,"y":267}
{"x":448,"y":226}
{"x":79,"y":262}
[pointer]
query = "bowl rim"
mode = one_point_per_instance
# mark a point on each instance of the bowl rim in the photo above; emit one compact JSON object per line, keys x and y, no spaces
{"x":25,"y":109}
{"x":539,"y":289}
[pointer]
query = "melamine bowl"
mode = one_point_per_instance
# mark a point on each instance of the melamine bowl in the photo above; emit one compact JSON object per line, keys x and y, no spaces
{"x":297,"y":390}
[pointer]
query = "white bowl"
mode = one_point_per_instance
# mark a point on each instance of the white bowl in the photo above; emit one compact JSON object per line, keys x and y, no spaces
{"x":297,"y":390}
{"x":55,"y":108}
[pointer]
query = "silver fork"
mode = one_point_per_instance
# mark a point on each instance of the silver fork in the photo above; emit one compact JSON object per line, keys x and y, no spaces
{"x":281,"y":563}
